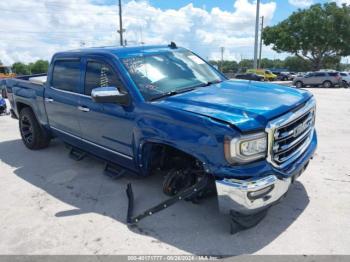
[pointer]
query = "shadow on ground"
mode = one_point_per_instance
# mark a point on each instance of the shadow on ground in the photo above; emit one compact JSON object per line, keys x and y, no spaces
{"x":198,"y":229}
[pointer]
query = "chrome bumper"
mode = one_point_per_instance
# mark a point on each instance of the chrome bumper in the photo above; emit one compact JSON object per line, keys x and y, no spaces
{"x":250,"y":196}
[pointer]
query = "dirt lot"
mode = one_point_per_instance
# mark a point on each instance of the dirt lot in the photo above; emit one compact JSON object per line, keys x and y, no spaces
{"x":51,"y":204}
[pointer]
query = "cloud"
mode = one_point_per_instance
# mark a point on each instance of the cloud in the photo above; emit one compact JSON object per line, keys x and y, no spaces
{"x":301,"y":3}
{"x":37,"y":29}
{"x":340,"y":2}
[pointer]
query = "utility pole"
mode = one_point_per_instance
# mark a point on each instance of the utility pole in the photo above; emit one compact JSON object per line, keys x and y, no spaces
{"x":256,"y":34}
{"x":261,"y":31}
{"x":222,"y":57}
{"x":121,"y":30}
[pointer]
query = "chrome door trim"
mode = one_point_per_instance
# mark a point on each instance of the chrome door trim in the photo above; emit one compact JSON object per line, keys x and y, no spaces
{"x":69,"y":92}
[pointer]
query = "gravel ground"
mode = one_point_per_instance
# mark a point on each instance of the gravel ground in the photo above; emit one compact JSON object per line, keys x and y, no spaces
{"x":51,"y":204}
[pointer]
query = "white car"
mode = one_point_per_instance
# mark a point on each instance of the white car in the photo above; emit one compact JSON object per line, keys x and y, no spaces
{"x":346,"y":78}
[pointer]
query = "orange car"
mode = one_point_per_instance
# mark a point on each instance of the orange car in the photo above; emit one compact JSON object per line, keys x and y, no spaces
{"x":6,"y":72}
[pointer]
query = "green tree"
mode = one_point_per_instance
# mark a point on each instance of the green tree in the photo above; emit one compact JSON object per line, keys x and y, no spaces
{"x":297,"y":64}
{"x":20,"y":68}
{"x":229,"y":66}
{"x":315,"y":34}
{"x":245,"y":64}
{"x":40,"y":66}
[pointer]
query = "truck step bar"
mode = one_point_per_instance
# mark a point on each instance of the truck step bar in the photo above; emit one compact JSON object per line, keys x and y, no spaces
{"x":76,"y":154}
{"x":114,"y":171}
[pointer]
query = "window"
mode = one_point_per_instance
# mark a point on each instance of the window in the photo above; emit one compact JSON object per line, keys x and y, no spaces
{"x":320,"y":74}
{"x":66,"y":75}
{"x":99,"y":74}
{"x":168,"y":72}
{"x":334,"y":74}
{"x":343,"y":74}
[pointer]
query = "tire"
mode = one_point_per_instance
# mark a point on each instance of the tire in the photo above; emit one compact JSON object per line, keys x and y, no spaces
{"x":327,"y":84}
{"x":34,"y":136}
{"x":299,"y":84}
{"x":345,"y":84}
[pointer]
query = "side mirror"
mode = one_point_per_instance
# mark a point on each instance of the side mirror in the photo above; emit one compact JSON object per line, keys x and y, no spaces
{"x":110,"y":95}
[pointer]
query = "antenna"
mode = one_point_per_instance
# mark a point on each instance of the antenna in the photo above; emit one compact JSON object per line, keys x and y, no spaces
{"x":172,"y":45}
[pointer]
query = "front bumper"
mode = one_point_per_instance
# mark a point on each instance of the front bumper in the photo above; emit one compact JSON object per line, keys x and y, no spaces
{"x":249,"y":197}
{"x":260,"y":192}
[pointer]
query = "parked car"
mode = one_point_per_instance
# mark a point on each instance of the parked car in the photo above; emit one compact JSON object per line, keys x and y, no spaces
{"x":324,"y":79}
{"x":283,"y":76}
{"x":291,"y":75}
{"x":345,"y":78}
{"x":250,"y":76}
{"x":267,"y":74}
{"x":164,"y":109}
{"x":2,"y":105}
{"x":6,"y":72}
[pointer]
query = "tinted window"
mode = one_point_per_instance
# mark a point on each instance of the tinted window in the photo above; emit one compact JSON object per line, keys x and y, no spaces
{"x":343,"y":74}
{"x":334,"y":74}
{"x":319,"y":74}
{"x":172,"y":71}
{"x":99,"y":74}
{"x":66,"y":75}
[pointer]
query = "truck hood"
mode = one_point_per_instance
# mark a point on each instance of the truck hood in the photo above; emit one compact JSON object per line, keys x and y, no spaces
{"x":247,"y":105}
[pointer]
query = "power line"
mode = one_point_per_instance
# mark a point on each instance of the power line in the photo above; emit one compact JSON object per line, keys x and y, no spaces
{"x":53,"y":11}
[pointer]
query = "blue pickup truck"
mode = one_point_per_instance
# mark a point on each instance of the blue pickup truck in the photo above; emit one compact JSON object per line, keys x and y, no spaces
{"x":164,"y":109}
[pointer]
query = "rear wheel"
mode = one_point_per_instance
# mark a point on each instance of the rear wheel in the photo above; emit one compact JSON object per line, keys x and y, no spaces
{"x":299,"y":84}
{"x":34,"y":136}
{"x":327,"y":84}
{"x":345,"y":84}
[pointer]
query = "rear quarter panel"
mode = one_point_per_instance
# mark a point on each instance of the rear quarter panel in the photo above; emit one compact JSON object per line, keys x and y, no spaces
{"x":27,"y":93}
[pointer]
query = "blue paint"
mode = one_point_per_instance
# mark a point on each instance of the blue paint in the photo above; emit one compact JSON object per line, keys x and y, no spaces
{"x":195,"y":122}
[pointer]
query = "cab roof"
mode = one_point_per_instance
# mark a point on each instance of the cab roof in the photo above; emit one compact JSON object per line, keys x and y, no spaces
{"x":121,"y":52}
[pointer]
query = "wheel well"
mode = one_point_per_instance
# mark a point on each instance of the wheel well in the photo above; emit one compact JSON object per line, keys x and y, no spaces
{"x":20,"y":106}
{"x":165,"y":157}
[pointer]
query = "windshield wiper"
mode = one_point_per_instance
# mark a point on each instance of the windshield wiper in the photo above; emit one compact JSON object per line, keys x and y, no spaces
{"x":184,"y":90}
{"x":172,"y":93}
{"x":209,"y":83}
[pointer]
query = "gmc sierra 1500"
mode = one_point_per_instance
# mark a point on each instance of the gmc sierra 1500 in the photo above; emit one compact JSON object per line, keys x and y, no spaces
{"x":164,"y":108}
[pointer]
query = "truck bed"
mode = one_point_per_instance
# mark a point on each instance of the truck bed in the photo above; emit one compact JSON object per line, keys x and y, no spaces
{"x":27,"y":90}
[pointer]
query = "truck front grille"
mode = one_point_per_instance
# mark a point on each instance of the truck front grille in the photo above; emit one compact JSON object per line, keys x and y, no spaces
{"x":290,"y":137}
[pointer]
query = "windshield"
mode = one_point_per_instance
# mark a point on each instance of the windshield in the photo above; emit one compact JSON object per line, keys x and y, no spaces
{"x":170,"y":72}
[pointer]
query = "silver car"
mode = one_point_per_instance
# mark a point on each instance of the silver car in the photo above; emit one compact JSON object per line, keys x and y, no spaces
{"x":325,"y":79}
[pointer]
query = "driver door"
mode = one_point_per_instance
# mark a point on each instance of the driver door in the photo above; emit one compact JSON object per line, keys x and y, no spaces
{"x":108,"y":125}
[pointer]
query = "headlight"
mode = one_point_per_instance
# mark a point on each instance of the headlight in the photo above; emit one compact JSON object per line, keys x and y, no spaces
{"x":246,"y":148}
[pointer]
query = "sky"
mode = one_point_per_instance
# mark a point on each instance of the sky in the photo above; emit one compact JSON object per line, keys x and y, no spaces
{"x":36,"y":29}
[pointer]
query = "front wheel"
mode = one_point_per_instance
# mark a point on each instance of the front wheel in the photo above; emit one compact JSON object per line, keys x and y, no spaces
{"x":34,"y":136}
{"x":299,"y":84}
{"x":327,"y":84}
{"x":345,"y":84}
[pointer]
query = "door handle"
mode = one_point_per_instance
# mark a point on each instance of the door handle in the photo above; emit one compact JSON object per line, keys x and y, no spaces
{"x":49,"y":100}
{"x":83,"y":108}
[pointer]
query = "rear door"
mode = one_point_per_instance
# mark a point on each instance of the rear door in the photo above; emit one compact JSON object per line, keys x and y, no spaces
{"x":320,"y":77}
{"x":62,"y":97}
{"x":106,"y":125}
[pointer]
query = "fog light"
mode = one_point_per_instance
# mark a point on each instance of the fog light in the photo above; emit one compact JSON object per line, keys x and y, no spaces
{"x":260,"y":193}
